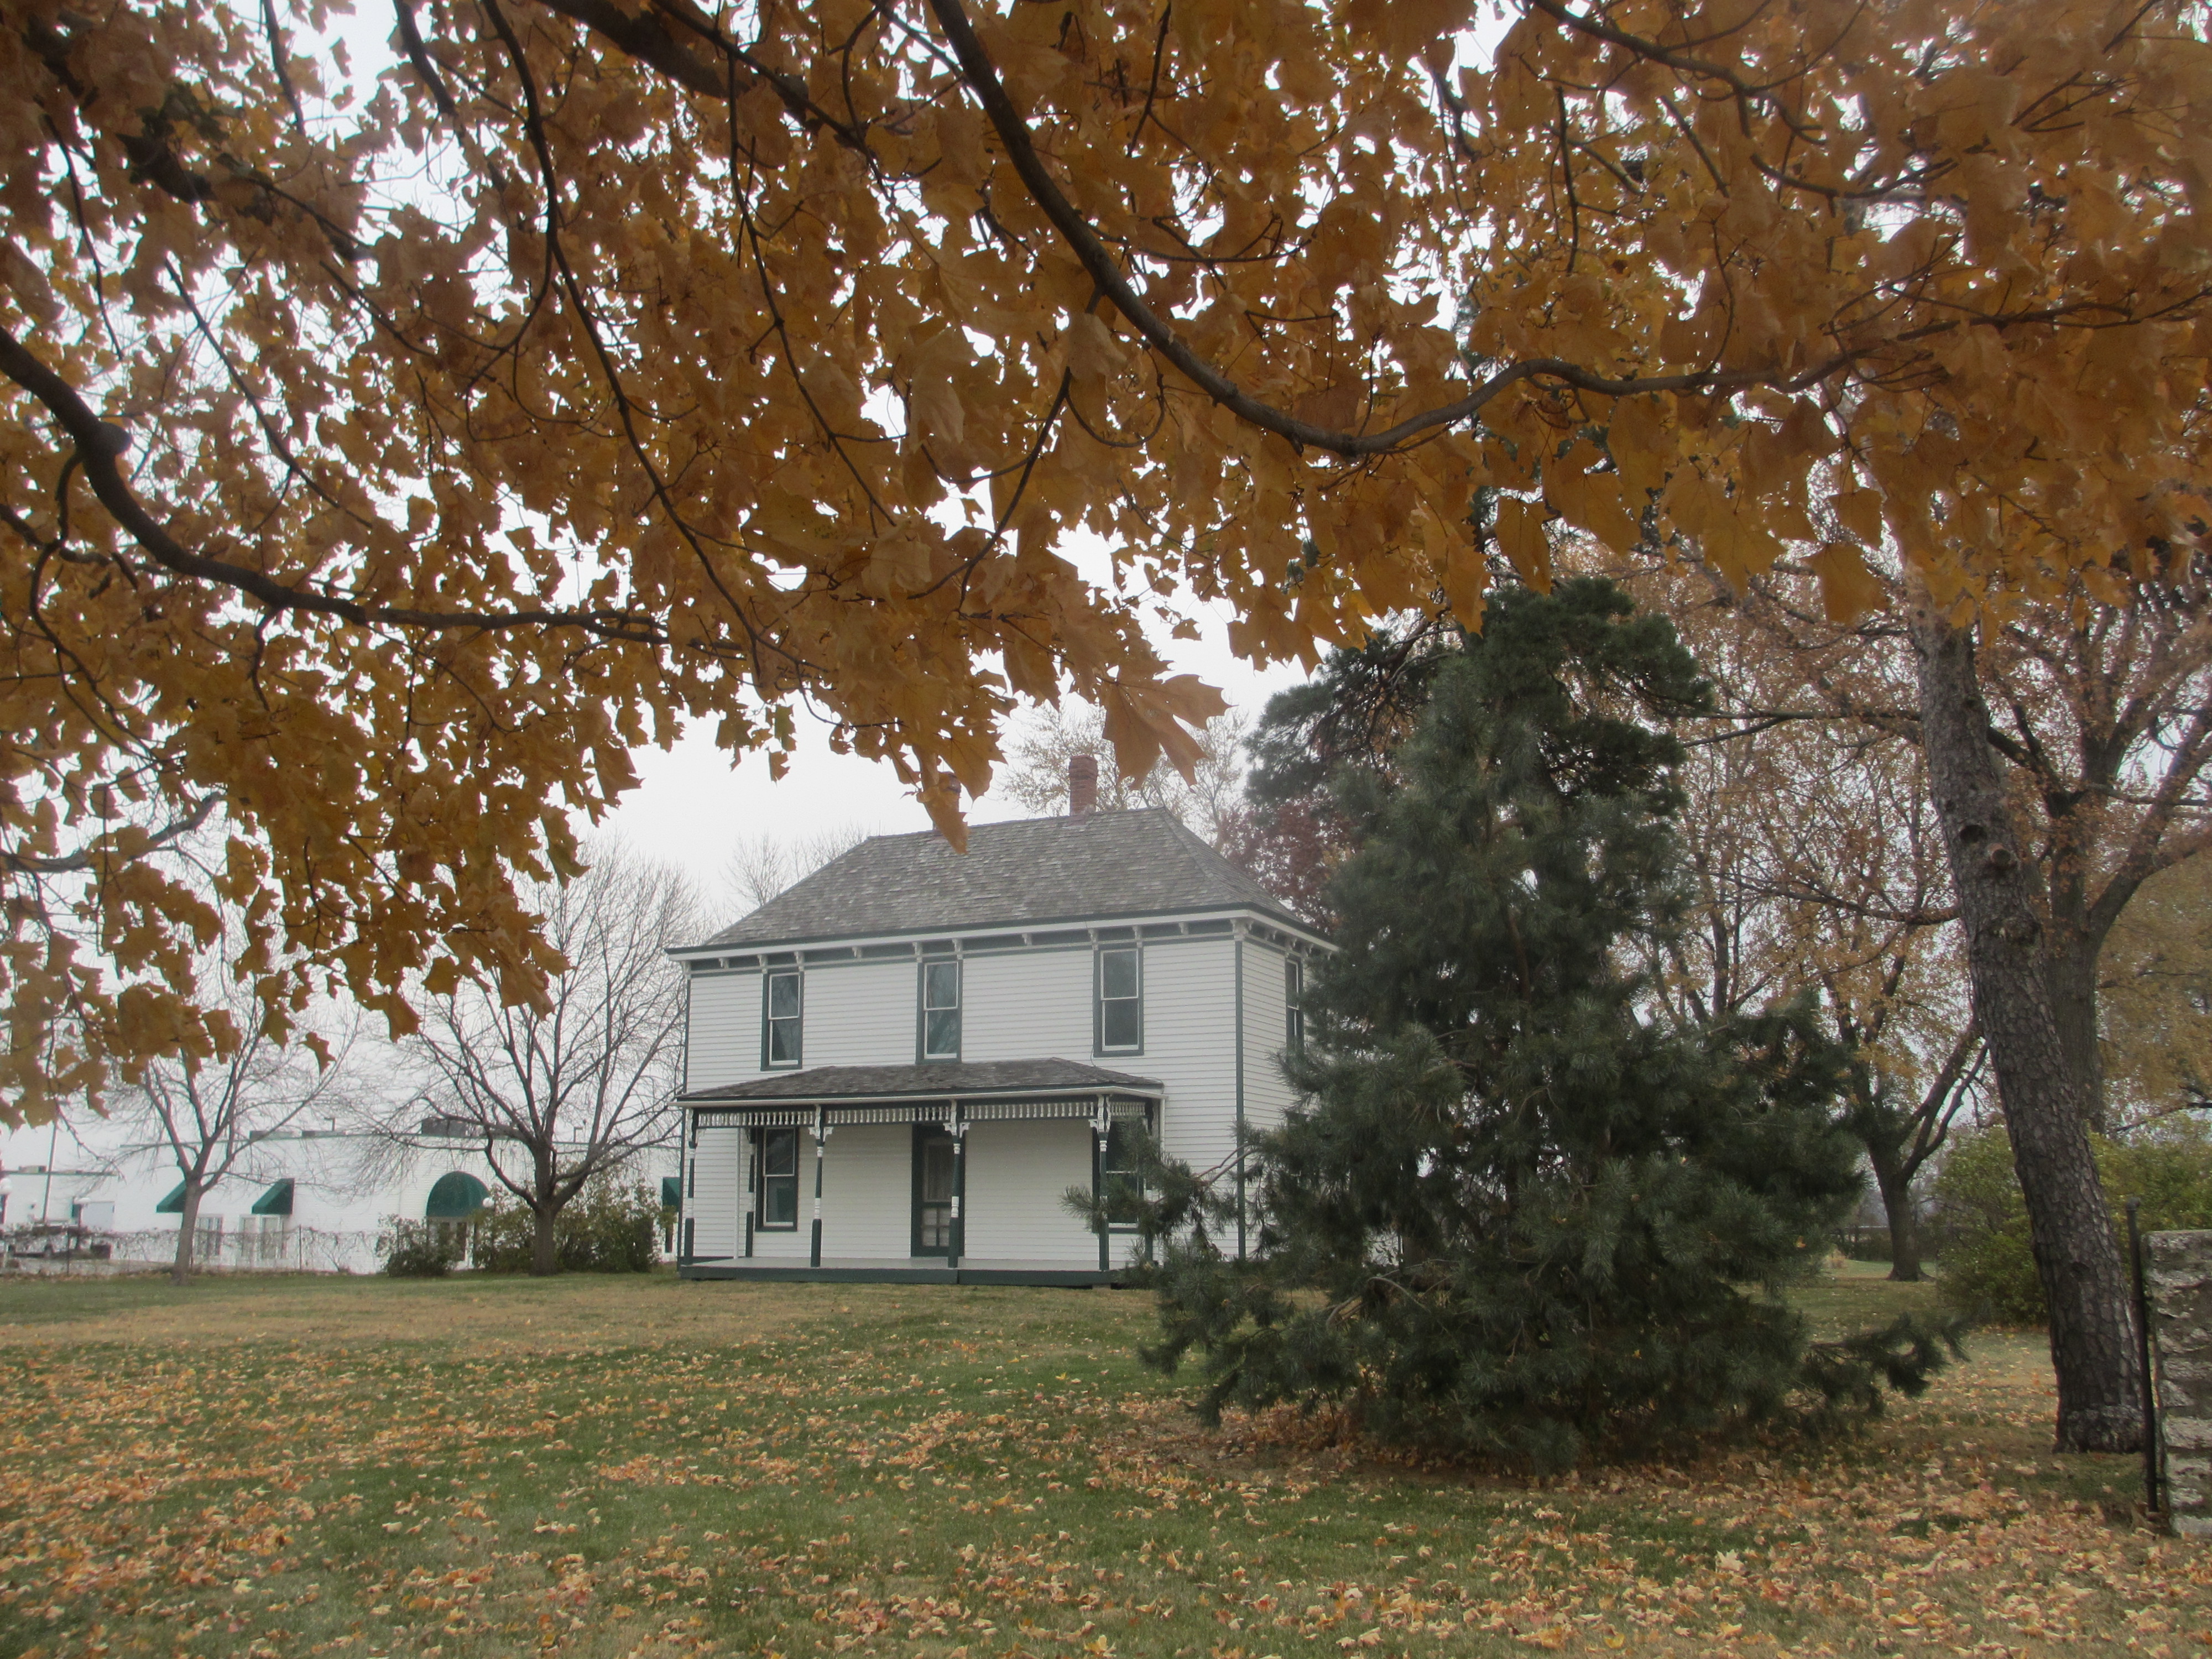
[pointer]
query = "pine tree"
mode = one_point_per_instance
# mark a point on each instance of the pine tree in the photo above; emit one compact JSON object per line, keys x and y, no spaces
{"x":1521,"y":1212}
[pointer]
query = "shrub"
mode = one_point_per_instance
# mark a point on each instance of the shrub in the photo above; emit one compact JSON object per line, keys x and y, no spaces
{"x":419,"y":1250}
{"x":610,"y":1227}
{"x":1981,"y":1219}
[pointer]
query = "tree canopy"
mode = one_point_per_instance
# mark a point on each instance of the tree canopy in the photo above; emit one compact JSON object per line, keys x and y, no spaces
{"x":387,"y":449}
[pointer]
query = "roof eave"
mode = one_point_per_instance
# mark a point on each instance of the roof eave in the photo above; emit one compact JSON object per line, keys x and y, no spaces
{"x":1142,"y":1090}
{"x":1232,"y":912}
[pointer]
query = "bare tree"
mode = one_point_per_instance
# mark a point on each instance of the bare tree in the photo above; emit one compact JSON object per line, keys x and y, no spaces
{"x":1207,"y":801}
{"x":761,"y":867}
{"x":562,"y":1090}
{"x":208,"y":1112}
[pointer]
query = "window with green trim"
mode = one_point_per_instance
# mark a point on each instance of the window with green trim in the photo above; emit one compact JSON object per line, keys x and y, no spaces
{"x":1120,"y":1000}
{"x":940,"y":1010}
{"x":779,"y":1178}
{"x":1119,"y":1182}
{"x":783,"y":1003}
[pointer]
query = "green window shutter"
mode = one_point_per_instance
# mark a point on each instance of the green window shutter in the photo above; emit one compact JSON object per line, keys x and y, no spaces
{"x":671,"y":1192}
{"x":276,"y":1200}
{"x":455,"y":1198}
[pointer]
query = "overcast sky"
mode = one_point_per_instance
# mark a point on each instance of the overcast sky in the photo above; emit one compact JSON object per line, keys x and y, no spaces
{"x":695,"y":802}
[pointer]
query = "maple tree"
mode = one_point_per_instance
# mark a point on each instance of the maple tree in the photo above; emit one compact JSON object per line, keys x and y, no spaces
{"x":385,"y":456}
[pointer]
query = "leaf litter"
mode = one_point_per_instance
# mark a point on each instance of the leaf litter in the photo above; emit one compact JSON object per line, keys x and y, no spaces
{"x":962,"y":1473}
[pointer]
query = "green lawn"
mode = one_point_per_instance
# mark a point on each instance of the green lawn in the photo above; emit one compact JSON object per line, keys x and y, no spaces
{"x":604,"y":1466}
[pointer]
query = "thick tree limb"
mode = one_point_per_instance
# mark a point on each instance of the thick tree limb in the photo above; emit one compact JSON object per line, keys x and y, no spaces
{"x":101,"y":444}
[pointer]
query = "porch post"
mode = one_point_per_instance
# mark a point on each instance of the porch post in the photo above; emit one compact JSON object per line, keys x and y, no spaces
{"x":1101,"y":1124}
{"x":959,"y":1239}
{"x":821,"y":1135}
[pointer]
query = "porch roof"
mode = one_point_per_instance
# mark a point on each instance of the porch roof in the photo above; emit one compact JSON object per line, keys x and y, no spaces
{"x":981,"y":1090}
{"x":943,"y":1080}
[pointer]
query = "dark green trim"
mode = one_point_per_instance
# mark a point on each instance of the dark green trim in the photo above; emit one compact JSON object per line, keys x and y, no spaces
{"x":921,"y":967}
{"x":1063,"y":1278}
{"x":173,"y":1204}
{"x":923,"y":1134}
{"x":1098,"y":1049}
{"x":276,"y":1199}
{"x":768,"y":980}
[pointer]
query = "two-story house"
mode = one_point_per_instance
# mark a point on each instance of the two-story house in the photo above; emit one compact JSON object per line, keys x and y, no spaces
{"x":899,"y":1067}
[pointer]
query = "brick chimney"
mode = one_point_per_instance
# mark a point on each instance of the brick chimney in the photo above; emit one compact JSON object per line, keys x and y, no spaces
{"x":1082,"y":786}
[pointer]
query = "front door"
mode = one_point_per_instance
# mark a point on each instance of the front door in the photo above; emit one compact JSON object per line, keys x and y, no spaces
{"x":932,"y":1190}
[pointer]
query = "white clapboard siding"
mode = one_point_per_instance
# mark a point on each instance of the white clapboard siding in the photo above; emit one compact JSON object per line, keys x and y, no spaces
{"x":1190,"y":1046}
{"x":724,"y":1037}
{"x":861,"y":1015}
{"x":1031,"y":1005}
{"x":867,"y":1190}
{"x":1267,"y":1094}
{"x":1017,"y":1173}
{"x":716,"y":1200}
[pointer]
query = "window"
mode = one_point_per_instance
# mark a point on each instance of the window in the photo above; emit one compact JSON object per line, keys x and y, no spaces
{"x":1120,"y":1000}
{"x":940,"y":1011}
{"x":1119,"y":1183}
{"x":1294,"y":1006}
{"x":779,"y":1176}
{"x":781,"y":1008}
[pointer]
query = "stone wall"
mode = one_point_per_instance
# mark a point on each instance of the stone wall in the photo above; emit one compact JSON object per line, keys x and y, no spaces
{"x":2177,"y":1267}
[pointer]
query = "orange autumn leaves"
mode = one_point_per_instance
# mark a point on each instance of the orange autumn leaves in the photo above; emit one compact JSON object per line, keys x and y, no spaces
{"x":587,"y":368}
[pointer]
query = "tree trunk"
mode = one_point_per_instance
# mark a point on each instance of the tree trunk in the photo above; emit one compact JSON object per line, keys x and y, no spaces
{"x":1896,"y":1188}
{"x":189,"y":1222}
{"x":2073,"y":972}
{"x":2046,"y":1102}
{"x":544,"y":1252}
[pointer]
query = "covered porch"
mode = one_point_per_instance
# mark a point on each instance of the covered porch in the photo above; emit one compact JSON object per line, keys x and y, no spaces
{"x":935,"y":1174}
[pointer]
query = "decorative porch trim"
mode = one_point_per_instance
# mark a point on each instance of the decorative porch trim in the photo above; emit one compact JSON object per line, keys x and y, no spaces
{"x":782,"y":1115}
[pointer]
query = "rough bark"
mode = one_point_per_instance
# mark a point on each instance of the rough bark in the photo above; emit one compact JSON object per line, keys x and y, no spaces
{"x":2047,"y":1107}
{"x":544,"y":1252}
{"x":1894,"y":1182}
{"x":181,"y":1272}
{"x":2072,"y":967}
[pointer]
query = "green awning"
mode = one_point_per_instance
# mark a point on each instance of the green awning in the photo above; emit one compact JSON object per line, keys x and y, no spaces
{"x":455,"y":1198}
{"x":276,"y":1199}
{"x":672,"y":1192}
{"x":173,"y":1204}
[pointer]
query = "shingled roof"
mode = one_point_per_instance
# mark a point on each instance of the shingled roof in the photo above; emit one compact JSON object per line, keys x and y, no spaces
{"x":1030,"y":873}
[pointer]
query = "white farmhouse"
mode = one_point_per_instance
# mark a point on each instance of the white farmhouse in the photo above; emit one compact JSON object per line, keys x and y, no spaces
{"x":896,"y":1069}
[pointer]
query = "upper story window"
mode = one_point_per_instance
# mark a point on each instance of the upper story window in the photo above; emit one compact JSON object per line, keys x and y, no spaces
{"x":1120,"y":1000}
{"x":940,"y":1011}
{"x":778,"y":1179}
{"x":1294,"y":1006}
{"x":782,"y":1000}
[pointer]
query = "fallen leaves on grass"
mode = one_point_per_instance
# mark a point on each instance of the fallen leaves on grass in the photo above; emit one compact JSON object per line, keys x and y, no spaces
{"x":875,"y":1488}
